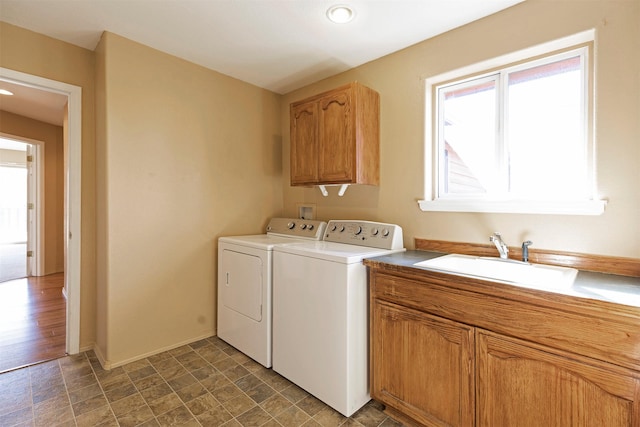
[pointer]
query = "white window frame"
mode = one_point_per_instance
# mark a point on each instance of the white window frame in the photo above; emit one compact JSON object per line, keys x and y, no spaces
{"x":433,"y":201}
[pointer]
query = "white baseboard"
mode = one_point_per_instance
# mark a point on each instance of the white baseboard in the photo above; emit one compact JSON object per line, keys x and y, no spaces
{"x":100,"y":356}
{"x":108,"y":365}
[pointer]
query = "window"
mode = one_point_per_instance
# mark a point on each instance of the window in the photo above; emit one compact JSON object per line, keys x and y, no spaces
{"x":515,"y":139}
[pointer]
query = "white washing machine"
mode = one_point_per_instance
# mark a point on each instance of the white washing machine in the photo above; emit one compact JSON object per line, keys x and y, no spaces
{"x":245,"y":283}
{"x":320,"y":311}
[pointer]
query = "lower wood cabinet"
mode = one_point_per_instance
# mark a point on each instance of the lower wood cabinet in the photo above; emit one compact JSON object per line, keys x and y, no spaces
{"x":423,"y":365}
{"x":442,"y":372}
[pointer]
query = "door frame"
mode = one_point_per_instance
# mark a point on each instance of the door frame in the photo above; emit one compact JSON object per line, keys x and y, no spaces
{"x":73,"y":187}
{"x":35,"y":198}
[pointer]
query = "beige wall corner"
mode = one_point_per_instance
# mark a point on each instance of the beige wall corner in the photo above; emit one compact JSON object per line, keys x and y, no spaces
{"x":185,"y":155}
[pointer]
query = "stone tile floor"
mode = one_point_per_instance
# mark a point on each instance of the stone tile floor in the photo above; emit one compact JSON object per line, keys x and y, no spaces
{"x":207,"y":383}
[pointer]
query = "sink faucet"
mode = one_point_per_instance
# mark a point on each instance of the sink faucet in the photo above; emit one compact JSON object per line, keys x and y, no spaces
{"x":502,"y":247}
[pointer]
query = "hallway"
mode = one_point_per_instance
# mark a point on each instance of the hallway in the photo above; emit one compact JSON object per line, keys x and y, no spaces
{"x":32,"y":320}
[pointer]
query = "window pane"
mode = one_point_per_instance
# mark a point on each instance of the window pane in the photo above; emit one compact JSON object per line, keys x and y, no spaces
{"x":545,"y":132}
{"x":468,"y":137}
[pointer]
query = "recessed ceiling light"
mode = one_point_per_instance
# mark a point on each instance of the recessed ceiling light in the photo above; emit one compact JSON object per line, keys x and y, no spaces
{"x":5,"y":92}
{"x":340,"y":14}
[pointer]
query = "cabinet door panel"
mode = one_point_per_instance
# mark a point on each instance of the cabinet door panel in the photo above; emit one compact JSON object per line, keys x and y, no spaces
{"x":523,"y":386}
{"x":304,"y":143}
{"x":336,"y":138}
{"x":422,"y":365}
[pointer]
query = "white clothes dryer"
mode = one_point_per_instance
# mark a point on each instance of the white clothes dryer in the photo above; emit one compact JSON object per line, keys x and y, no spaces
{"x":245,"y":283}
{"x":320,"y":311}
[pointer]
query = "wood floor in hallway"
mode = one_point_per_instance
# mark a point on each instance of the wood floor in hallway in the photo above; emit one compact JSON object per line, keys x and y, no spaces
{"x":32,"y":320}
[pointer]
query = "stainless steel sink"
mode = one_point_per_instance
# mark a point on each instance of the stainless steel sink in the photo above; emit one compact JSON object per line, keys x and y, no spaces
{"x":537,"y":275}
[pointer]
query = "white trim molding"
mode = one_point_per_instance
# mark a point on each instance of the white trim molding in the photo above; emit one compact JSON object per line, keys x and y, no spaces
{"x":553,"y":207}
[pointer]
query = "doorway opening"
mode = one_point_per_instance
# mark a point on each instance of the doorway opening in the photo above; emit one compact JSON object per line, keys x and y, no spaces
{"x":21,"y":208}
{"x":13,"y":210}
{"x":72,"y":191}
{"x":32,"y":303}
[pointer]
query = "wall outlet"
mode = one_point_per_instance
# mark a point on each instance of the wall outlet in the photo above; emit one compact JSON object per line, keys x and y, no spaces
{"x":306,"y":211}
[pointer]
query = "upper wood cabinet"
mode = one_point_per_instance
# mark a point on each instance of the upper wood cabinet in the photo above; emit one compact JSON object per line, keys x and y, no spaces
{"x":335,"y":137}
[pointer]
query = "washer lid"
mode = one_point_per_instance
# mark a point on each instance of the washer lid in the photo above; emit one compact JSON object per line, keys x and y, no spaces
{"x":260,"y":241}
{"x":335,"y":252}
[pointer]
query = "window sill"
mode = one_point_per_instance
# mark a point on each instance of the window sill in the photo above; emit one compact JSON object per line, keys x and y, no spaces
{"x":555,"y":207}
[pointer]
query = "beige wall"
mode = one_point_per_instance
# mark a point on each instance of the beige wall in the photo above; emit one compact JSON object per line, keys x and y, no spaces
{"x":32,"y":53}
{"x":185,"y":155}
{"x":399,"y":78}
{"x":53,"y":215}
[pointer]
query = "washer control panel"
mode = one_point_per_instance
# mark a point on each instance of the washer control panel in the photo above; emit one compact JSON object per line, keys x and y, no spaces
{"x":364,"y":233}
{"x":296,"y":227}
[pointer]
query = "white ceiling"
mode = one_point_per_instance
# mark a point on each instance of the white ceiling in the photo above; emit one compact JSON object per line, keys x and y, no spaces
{"x":280,"y":45}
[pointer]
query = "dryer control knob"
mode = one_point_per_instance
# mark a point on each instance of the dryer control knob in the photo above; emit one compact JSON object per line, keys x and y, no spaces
{"x":291,"y":225}
{"x":310,"y":227}
{"x":374,"y":232}
{"x":385,"y":232}
{"x":358,"y":230}
{"x":303,"y":226}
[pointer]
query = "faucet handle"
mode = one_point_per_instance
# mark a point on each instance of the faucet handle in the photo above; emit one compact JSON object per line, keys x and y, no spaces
{"x":502,"y":247}
{"x":496,"y":237}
